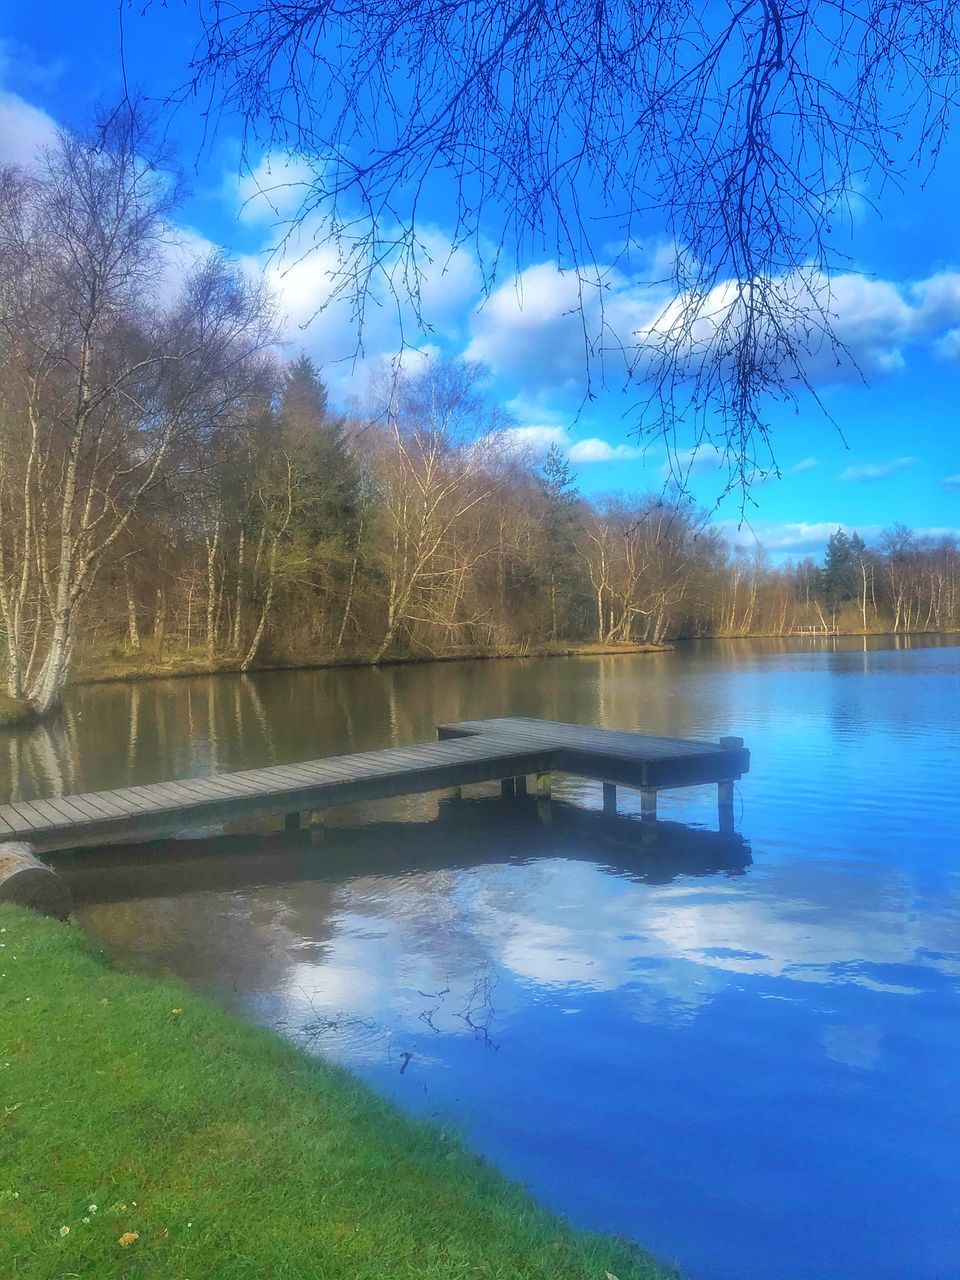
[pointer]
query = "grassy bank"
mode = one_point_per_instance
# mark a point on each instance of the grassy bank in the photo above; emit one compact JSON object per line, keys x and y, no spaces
{"x":211,"y":1149}
{"x":106,"y":668}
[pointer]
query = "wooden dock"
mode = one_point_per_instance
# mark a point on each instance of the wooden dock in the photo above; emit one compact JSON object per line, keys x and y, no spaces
{"x":508,"y":749}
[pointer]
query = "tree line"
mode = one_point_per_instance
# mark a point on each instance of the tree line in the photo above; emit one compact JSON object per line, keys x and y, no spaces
{"x":172,"y":491}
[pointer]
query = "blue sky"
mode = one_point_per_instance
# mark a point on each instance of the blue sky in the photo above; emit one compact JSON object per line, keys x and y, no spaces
{"x":892,"y":452}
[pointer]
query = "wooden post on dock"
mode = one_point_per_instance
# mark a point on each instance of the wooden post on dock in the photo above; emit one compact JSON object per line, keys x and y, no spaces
{"x":520,"y":784}
{"x":725,"y":806}
{"x":544,"y":785}
{"x":609,"y":798}
{"x":648,"y":804}
{"x":507,"y":787}
{"x":725,"y":791}
{"x":291,"y":822}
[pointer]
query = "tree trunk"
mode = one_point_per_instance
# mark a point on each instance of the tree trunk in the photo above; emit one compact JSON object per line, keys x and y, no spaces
{"x":212,"y":544}
{"x":160,"y":624}
{"x":349,"y":602}
{"x":251,"y":653}
{"x":133,"y":630}
{"x":238,"y":610}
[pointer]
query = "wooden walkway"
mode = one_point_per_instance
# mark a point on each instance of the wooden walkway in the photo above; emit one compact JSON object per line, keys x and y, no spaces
{"x":508,"y":750}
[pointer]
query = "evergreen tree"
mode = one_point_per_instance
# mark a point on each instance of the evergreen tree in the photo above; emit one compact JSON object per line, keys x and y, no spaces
{"x":328,"y":506}
{"x":840,"y":575}
{"x":560,"y":522}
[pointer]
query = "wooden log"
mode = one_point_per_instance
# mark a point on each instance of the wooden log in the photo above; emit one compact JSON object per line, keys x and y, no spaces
{"x":28,"y":882}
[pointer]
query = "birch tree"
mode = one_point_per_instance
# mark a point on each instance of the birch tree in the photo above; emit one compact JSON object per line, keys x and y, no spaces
{"x":108,"y":392}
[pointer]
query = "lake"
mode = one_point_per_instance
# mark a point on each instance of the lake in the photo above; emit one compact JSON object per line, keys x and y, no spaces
{"x":743,"y":1053}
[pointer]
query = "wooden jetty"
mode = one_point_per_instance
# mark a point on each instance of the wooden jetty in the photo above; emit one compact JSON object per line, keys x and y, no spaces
{"x":507,"y":749}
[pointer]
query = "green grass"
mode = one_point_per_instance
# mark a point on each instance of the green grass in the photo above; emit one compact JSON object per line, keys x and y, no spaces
{"x":226,"y":1151}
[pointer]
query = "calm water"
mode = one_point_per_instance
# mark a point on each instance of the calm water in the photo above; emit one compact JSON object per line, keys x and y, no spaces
{"x":743,"y":1053}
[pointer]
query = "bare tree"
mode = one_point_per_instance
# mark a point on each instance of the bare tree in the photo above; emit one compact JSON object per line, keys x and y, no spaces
{"x":109,"y":394}
{"x":741,"y":133}
{"x":436,"y":465}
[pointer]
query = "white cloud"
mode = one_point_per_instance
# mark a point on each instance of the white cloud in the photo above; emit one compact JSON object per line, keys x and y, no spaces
{"x":798,"y":537}
{"x":24,"y":129}
{"x":792,"y":538}
{"x":593,"y":449}
{"x":805,"y":464}
{"x":951,"y":482}
{"x":273,"y":189}
{"x":182,"y":251}
{"x":867,"y":472}
{"x":683,"y":463}
{"x":545,"y":326}
{"x":531,"y":329}
{"x":305,"y":270}
{"x":947,"y":347}
{"x":536,"y":440}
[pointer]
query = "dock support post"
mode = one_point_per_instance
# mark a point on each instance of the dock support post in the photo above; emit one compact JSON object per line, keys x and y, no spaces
{"x":456,"y":793}
{"x":520,"y":784}
{"x":725,"y":790}
{"x":725,"y":806}
{"x":648,"y":804}
{"x":544,"y":785}
{"x":609,"y":798}
{"x":507,"y":787}
{"x":291,"y":822}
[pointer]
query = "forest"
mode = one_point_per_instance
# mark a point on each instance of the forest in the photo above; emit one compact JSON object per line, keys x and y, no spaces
{"x":174,"y":493}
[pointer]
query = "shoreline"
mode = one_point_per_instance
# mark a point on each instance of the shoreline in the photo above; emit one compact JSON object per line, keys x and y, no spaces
{"x":20,"y":715}
{"x":204,"y":1145}
{"x":232,"y":668}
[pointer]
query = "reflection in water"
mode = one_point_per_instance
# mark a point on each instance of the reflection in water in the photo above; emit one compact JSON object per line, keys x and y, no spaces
{"x":740,"y":1051}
